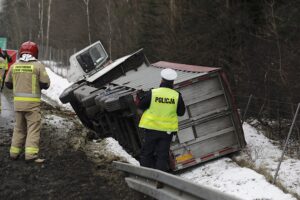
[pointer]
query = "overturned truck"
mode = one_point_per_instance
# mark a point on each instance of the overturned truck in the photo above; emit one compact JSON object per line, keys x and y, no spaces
{"x":103,"y":97}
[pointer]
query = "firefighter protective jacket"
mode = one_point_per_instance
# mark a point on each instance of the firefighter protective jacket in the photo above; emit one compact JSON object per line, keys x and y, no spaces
{"x":27,"y":79}
{"x":162,"y":113}
{"x":3,"y":65}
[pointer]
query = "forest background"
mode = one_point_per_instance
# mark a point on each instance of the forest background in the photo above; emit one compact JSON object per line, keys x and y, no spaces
{"x":256,"y":42}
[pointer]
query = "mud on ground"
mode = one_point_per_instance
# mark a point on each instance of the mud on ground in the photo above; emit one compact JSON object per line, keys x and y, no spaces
{"x":68,"y":172}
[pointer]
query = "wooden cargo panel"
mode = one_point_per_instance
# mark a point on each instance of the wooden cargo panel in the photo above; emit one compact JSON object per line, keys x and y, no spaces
{"x":198,"y":90}
{"x":213,"y":125}
{"x":208,"y":146}
{"x":208,"y":107}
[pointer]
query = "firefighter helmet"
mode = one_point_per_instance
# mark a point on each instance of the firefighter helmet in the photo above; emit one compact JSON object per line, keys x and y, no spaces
{"x":30,"y":48}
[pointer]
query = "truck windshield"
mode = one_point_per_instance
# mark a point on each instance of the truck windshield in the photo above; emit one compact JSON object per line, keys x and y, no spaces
{"x":91,"y":58}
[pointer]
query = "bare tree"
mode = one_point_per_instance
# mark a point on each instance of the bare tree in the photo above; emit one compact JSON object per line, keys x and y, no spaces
{"x":86,"y":2}
{"x":48,"y":26}
{"x":17,"y":31}
{"x":29,"y":20}
{"x":172,"y":14}
{"x":109,"y":26}
{"x":41,"y":19}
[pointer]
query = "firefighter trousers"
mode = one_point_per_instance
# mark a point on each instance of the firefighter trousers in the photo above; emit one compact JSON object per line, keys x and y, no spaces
{"x":26,"y":131}
{"x":155,"y":150}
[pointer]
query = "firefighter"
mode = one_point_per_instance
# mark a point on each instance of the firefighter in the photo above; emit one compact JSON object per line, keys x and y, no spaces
{"x":4,"y":60}
{"x":7,"y":59}
{"x":161,"y":106}
{"x":2,"y":71}
{"x":27,"y":77}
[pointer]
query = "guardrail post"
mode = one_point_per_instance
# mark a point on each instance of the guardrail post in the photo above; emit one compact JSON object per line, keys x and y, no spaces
{"x":246,"y":110}
{"x":286,"y":142}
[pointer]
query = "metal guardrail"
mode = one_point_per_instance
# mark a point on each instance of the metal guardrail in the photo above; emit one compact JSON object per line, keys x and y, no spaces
{"x":171,"y":187}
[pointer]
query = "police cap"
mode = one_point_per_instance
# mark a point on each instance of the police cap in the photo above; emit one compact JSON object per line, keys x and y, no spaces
{"x":168,"y":74}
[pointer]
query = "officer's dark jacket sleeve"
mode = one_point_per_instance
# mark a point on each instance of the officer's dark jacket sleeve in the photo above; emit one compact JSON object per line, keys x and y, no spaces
{"x":7,"y":56}
{"x":180,"y":106}
{"x":145,"y":102}
{"x":9,"y":59}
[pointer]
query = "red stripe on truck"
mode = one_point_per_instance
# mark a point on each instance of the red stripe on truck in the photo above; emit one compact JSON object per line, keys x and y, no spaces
{"x":226,"y":149}
{"x":185,"y":83}
{"x":207,"y":156}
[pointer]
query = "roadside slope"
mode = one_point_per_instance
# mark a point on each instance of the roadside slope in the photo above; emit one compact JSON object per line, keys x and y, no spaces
{"x":223,"y":174}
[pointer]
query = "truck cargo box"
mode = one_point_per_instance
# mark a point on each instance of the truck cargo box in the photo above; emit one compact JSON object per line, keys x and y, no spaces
{"x":104,"y":98}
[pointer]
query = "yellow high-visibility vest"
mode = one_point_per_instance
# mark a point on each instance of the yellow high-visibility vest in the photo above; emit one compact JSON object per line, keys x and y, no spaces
{"x":4,"y":64}
{"x":162,"y":113}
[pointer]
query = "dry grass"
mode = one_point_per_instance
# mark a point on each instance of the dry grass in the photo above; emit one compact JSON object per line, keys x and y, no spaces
{"x":263,"y":171}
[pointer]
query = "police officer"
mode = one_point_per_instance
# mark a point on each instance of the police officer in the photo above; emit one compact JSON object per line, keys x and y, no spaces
{"x":27,"y":77}
{"x":161,"y":106}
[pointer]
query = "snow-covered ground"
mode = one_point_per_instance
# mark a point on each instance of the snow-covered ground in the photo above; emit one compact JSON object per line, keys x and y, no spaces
{"x":263,"y":154}
{"x":227,"y":176}
{"x":224,"y":174}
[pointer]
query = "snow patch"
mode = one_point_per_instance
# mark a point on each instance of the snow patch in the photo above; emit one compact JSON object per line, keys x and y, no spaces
{"x":228,"y":177}
{"x":57,"y":86}
{"x":264,"y":154}
{"x":114,"y":147}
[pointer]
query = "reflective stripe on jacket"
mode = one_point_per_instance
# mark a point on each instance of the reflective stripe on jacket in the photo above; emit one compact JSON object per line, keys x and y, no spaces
{"x":31,"y":91}
{"x":162,"y":113}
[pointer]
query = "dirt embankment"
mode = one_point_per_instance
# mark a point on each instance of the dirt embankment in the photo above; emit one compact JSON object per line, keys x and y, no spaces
{"x":67,"y":173}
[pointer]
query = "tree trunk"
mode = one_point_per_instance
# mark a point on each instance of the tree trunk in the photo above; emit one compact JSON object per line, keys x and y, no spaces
{"x":172,"y":14}
{"x":48,"y":27}
{"x":29,"y":20}
{"x":17,"y":31}
{"x":88,"y":19}
{"x":109,"y":27}
{"x":41,"y":18}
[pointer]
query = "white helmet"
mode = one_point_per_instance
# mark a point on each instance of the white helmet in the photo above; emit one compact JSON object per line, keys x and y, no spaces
{"x":168,"y":74}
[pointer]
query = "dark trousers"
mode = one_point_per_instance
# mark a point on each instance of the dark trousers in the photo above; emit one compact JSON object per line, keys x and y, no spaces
{"x":155,"y":150}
